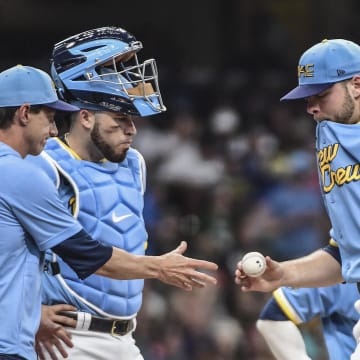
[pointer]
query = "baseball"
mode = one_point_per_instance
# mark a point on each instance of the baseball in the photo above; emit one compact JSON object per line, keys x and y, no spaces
{"x":253,"y":264}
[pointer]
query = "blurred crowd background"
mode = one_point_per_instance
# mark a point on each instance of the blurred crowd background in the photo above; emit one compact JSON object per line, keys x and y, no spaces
{"x":230,"y":168}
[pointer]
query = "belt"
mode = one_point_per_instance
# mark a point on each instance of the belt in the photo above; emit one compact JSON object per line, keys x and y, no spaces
{"x":105,"y":325}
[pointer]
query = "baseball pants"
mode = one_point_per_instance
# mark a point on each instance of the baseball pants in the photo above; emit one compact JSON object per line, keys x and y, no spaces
{"x":91,"y":345}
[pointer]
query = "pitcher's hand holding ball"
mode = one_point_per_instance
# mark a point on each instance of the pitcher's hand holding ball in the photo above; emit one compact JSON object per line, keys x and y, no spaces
{"x":255,"y":272}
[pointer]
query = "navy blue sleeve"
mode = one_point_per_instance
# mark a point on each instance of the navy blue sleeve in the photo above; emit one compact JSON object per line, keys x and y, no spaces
{"x":333,"y":251}
{"x":83,"y":254}
{"x":272,"y":311}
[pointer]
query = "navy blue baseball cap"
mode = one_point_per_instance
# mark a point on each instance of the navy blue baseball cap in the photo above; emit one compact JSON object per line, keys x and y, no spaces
{"x":323,"y":65}
{"x":28,"y":85}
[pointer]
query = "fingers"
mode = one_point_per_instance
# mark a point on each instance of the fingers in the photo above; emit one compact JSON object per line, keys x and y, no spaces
{"x":49,"y":346}
{"x":189,"y":280}
{"x":189,"y":284}
{"x":61,"y":337}
{"x":238,"y":276}
{"x":203,"y":264}
{"x":65,"y":336}
{"x":51,"y":337}
{"x":183,"y":272}
{"x":50,"y":349}
{"x":63,"y":307}
{"x":65,"y":321}
{"x":39,"y":351}
{"x":198,"y":278}
{"x":185,"y":286}
{"x":61,"y":350}
{"x":62,"y":319}
{"x":52,"y":316}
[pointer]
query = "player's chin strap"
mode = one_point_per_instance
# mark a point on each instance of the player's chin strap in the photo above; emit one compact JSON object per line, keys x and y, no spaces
{"x":55,"y":267}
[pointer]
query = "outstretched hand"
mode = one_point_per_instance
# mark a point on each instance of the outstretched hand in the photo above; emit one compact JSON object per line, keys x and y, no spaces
{"x":268,"y":281}
{"x":184,"y":272}
{"x":51,"y":332}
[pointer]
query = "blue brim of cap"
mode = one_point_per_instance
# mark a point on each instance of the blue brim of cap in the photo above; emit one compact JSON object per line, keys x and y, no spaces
{"x":304,"y":91}
{"x":62,"y":106}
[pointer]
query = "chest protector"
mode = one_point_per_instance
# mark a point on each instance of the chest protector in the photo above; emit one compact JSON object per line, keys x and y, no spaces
{"x":108,"y":202}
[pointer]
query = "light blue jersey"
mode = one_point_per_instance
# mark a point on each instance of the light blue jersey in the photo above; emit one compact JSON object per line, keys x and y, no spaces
{"x":32,"y":220}
{"x":335,"y":307}
{"x":338,"y":153}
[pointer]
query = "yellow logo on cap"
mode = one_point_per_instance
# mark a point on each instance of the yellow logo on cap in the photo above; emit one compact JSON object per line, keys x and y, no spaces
{"x":306,"y":70}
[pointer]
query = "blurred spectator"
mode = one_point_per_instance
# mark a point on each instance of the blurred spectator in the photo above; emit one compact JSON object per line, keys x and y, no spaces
{"x":183,"y":162}
{"x":286,"y":221}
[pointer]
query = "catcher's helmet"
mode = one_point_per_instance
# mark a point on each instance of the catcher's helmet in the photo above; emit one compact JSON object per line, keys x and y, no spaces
{"x":99,"y":70}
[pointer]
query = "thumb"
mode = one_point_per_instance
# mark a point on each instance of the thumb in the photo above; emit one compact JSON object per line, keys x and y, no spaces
{"x":181,"y":248}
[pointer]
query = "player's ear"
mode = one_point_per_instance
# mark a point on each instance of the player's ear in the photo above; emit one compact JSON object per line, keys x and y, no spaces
{"x":86,"y":118}
{"x":22,"y":114}
{"x":356,"y":85}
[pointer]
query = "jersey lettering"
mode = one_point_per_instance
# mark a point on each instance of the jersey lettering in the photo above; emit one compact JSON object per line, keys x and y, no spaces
{"x":331,"y":177}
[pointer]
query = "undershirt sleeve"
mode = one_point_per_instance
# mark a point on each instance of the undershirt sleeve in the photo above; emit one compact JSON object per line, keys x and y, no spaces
{"x":333,"y":251}
{"x":83,"y":254}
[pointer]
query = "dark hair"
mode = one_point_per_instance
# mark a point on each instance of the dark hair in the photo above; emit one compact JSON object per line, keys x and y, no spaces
{"x":7,"y":114}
